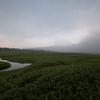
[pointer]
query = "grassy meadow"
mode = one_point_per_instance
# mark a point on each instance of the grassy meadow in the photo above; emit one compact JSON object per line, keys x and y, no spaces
{"x":52,"y":76}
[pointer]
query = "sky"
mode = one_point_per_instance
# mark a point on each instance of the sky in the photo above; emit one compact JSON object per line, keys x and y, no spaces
{"x":71,"y":25}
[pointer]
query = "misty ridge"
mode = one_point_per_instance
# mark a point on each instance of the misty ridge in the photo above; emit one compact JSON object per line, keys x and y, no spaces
{"x":91,"y":44}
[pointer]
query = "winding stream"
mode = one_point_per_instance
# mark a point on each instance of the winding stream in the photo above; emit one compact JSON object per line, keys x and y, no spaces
{"x":14,"y":65}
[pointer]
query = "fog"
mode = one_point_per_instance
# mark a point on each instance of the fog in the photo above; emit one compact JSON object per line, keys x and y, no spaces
{"x":91,"y":44}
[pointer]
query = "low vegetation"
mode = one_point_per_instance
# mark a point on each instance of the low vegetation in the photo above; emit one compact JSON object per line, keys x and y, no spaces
{"x":52,"y":76}
{"x":4,"y":65}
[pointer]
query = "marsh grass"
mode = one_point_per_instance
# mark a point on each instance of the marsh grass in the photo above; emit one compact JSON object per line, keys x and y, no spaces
{"x":52,"y":79}
{"x":4,"y":65}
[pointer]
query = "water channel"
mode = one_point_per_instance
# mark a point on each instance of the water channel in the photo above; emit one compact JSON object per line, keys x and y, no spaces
{"x":14,"y":65}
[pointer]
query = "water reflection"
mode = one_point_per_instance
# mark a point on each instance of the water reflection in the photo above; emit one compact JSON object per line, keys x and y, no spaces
{"x":15,"y":65}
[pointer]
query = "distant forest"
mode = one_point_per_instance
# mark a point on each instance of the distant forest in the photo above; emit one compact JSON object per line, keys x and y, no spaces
{"x":16,"y":49}
{"x":7,"y":49}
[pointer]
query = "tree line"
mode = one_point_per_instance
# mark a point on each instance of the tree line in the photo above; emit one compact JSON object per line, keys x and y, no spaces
{"x":7,"y":49}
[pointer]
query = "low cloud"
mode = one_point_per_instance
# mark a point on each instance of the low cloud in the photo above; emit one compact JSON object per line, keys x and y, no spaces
{"x":91,"y":44}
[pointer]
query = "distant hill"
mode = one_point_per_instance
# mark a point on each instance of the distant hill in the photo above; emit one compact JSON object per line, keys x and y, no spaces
{"x":72,"y":48}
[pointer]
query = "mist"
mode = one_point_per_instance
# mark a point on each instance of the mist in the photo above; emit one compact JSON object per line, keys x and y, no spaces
{"x":91,"y":44}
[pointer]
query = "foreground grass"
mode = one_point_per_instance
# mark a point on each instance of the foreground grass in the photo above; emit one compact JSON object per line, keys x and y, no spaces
{"x":67,"y":82}
{"x":55,"y":76}
{"x":4,"y":65}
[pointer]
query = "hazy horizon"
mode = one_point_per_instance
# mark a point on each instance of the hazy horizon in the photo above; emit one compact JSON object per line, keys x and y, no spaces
{"x":64,"y":25}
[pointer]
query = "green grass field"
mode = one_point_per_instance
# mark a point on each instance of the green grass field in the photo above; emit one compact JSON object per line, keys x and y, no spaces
{"x":4,"y":65}
{"x":52,"y":76}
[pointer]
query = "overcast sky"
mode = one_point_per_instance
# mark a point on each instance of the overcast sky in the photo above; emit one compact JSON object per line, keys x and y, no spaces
{"x":40,"y":23}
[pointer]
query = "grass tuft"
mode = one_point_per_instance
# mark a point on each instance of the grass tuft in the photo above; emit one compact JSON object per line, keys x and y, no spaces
{"x":4,"y":65}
